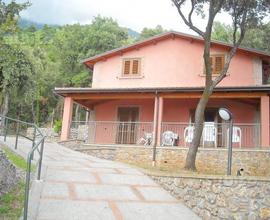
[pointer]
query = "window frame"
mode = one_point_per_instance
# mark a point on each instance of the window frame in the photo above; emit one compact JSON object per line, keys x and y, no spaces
{"x":131,"y":74}
{"x":223,"y":55}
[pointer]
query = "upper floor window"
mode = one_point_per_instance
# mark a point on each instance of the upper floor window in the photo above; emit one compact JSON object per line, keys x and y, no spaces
{"x":217,"y":63}
{"x":131,"y":67}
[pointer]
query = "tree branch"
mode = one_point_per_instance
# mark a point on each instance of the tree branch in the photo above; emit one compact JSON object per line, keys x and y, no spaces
{"x":188,"y":21}
{"x":233,"y":50}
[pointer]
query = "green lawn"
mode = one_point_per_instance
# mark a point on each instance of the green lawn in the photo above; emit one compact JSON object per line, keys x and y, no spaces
{"x":11,"y":204}
{"x":17,"y":160}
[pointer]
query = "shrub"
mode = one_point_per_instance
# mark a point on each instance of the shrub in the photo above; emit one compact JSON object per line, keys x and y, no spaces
{"x":57,"y":126}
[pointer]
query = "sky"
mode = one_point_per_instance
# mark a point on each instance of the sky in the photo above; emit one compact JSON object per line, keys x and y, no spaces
{"x":134,"y":14}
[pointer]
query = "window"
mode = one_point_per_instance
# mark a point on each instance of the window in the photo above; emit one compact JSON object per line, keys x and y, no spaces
{"x":131,"y":67}
{"x":217,"y":63}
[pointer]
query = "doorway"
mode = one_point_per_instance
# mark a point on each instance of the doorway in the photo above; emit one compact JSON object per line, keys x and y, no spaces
{"x":127,"y":126}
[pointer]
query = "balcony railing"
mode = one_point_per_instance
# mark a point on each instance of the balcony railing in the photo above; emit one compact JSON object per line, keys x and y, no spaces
{"x":214,"y":135}
{"x":110,"y":132}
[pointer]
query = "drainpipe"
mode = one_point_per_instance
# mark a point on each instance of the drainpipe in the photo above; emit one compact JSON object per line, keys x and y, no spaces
{"x":156,"y":113}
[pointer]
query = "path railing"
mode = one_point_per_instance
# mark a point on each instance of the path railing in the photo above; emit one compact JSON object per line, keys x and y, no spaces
{"x":18,"y":128}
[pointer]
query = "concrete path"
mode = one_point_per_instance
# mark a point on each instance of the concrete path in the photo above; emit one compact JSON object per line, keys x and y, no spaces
{"x":81,"y":187}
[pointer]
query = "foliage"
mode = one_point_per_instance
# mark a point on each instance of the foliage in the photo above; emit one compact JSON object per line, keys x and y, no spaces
{"x":9,"y":14}
{"x":150,"y":32}
{"x":57,"y":126}
{"x":40,"y":59}
{"x":256,"y":37}
{"x":11,"y":204}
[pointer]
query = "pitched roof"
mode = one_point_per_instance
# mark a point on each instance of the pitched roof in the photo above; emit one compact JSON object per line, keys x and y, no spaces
{"x":89,"y":62}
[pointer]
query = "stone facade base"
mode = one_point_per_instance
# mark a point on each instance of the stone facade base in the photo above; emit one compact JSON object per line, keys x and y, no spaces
{"x":209,"y":161}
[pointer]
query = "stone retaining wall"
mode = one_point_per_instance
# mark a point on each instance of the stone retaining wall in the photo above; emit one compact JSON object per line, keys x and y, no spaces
{"x":254,"y":162}
{"x":8,"y":174}
{"x":213,"y":197}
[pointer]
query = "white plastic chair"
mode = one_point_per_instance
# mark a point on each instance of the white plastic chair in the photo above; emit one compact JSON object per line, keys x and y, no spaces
{"x":169,"y":138}
{"x":147,"y":139}
{"x":236,"y":135}
{"x":188,"y":134}
{"x":209,"y":133}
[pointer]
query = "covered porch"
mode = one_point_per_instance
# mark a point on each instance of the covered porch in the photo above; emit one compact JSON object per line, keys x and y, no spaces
{"x":149,"y":116}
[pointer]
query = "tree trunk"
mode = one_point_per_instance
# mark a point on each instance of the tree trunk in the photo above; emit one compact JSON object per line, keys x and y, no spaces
{"x":77,"y":113}
{"x":33,"y":112}
{"x":5,"y":105}
{"x":198,"y":128}
{"x":5,"y":108}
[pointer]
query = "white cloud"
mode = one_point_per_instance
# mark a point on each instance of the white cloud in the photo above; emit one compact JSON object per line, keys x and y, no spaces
{"x":135,"y":14}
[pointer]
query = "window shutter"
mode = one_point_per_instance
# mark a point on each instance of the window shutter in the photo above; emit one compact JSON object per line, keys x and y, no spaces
{"x":219,"y":63}
{"x":135,"y":67}
{"x":127,"y":67}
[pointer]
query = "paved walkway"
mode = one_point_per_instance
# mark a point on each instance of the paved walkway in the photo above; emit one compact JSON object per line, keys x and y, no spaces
{"x":81,"y":187}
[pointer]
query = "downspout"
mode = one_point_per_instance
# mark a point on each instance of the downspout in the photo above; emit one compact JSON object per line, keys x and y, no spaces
{"x":155,"y":128}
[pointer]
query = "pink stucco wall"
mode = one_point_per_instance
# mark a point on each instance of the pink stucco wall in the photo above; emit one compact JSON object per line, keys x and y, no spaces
{"x":173,"y":63}
{"x":179,"y":110}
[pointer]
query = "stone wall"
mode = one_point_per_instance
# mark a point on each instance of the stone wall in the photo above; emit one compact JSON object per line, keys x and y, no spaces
{"x":209,"y":161}
{"x":8,"y":174}
{"x":212,"y":197}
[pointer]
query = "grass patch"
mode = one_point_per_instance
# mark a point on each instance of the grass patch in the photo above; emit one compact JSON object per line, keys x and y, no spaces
{"x":17,"y":160}
{"x":11,"y":204}
{"x":168,"y":170}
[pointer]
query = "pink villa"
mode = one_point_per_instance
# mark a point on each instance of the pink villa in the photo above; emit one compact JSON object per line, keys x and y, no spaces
{"x":146,"y":94}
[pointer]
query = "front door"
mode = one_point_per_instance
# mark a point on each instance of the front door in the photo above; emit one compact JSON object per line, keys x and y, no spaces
{"x":127,"y":126}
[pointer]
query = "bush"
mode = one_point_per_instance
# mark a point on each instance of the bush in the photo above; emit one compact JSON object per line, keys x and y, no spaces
{"x":57,"y":126}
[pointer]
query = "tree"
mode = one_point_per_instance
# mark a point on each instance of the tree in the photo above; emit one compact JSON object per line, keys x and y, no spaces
{"x":150,"y":32}
{"x":245,"y":14}
{"x":9,"y":15}
{"x":222,"y":32}
{"x":256,"y":37}
{"x":14,"y":66}
{"x":16,"y":72}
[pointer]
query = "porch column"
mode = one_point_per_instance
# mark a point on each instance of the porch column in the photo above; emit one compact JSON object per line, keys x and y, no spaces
{"x":91,"y":127}
{"x":67,"y":117}
{"x":160,"y":117}
{"x":155,"y":120}
{"x":265,"y":121}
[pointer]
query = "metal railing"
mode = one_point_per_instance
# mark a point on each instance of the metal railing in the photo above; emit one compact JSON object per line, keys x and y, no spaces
{"x":245,"y":135}
{"x":110,"y":132}
{"x":18,"y":128}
